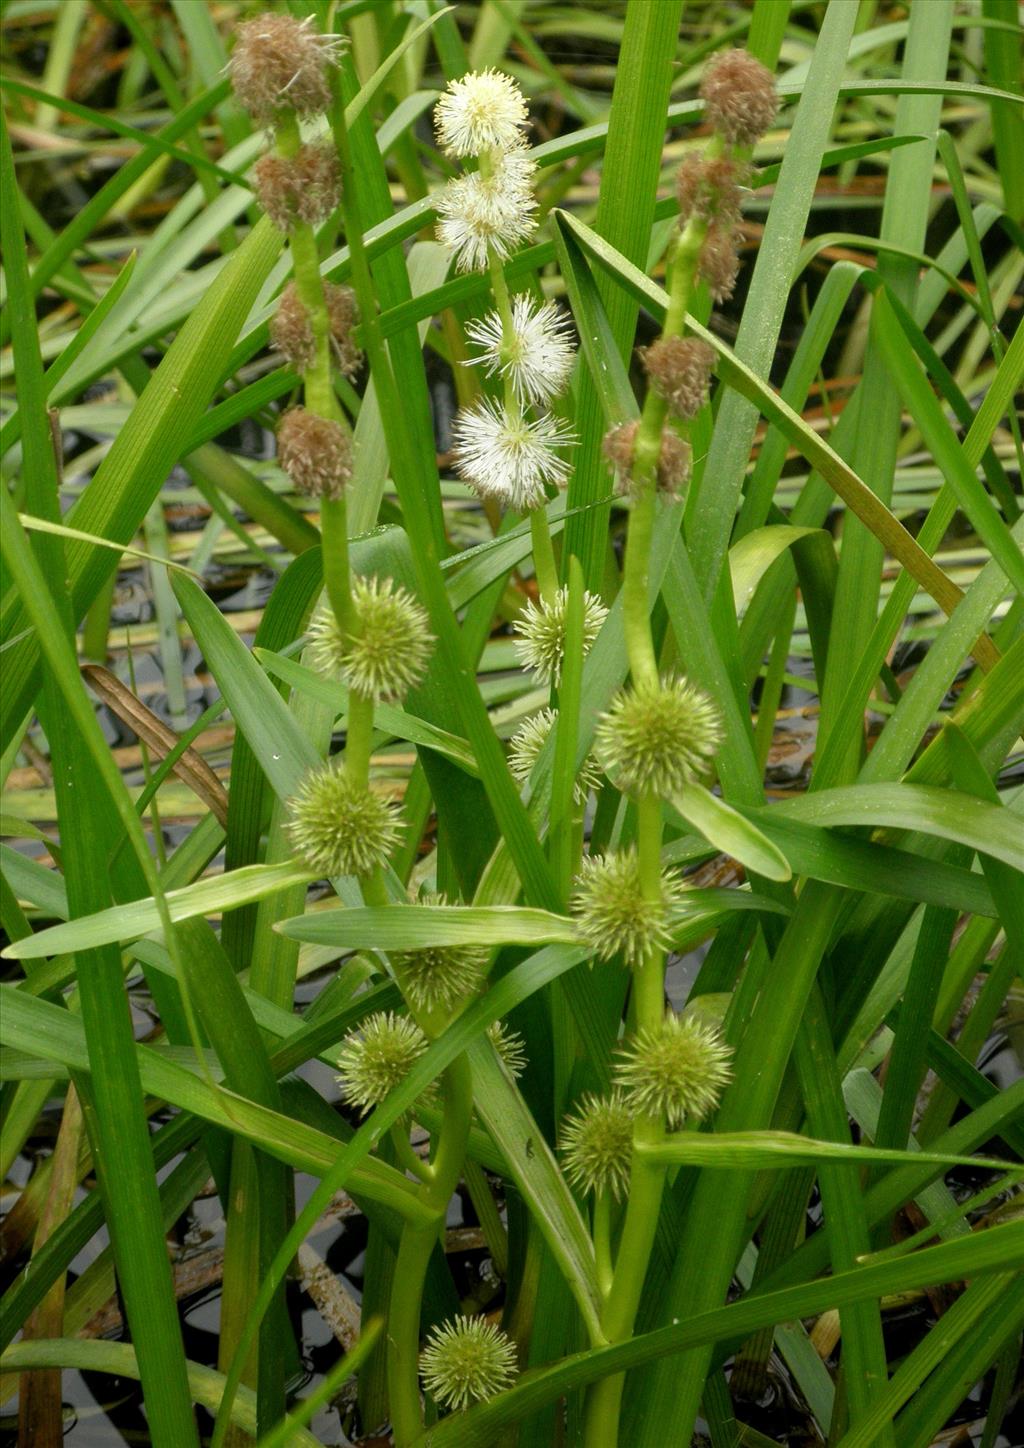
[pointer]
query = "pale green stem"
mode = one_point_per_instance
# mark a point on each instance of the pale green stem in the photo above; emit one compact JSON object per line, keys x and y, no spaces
{"x":414,"y":1255}
{"x":603,"y":1243}
{"x":359,"y":737}
{"x":407,"y":1158}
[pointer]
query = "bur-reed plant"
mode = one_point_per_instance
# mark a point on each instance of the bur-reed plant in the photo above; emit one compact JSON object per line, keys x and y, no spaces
{"x":522,"y":722}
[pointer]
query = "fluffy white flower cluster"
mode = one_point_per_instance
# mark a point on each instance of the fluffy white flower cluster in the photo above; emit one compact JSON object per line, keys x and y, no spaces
{"x":502,"y":451}
{"x":489,"y":210}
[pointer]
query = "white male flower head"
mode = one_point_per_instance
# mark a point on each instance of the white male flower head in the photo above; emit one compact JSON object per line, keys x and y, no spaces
{"x":483,"y":111}
{"x":538,"y":357}
{"x":510,"y":459}
{"x":488,"y":211}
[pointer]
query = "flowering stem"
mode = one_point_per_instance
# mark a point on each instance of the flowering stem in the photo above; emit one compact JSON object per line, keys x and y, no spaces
{"x":309,"y":284}
{"x":646,"y":452}
{"x":544,"y":563}
{"x":317,"y":385}
{"x":414,"y":1252}
{"x":646,"y":1178}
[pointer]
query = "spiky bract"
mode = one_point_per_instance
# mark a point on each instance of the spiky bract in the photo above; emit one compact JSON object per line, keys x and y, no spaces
{"x":538,"y":357}
{"x":465,"y":1360}
{"x":482,"y":111}
{"x":280,"y":63}
{"x":597,"y":1144}
{"x":488,"y":211}
{"x":613,"y":916}
{"x":677,"y":1071}
{"x":339,"y":826}
{"x":440,"y":976}
{"x":656,"y":738}
{"x":377,"y":1057}
{"x":510,"y":458}
{"x":525,"y":747}
{"x":541,"y":629}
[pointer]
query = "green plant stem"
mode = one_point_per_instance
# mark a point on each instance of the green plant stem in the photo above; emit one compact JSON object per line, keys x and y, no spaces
{"x":337,"y":574}
{"x":414,"y":1253}
{"x":359,"y":737}
{"x":636,"y":617}
{"x":603,"y":1243}
{"x":407,"y":1158}
{"x":309,"y":284}
{"x":318,"y":388}
{"x":647,"y":1179}
{"x":544,"y":563}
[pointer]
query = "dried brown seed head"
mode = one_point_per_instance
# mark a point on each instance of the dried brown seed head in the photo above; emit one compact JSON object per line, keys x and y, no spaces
{"x":679,"y":369}
{"x":739,"y":96}
{"x":315,"y":452}
{"x":303,"y":187}
{"x":708,"y":188}
{"x":292,"y":335}
{"x":720,"y":263}
{"x":673,"y":462}
{"x":280,"y":63}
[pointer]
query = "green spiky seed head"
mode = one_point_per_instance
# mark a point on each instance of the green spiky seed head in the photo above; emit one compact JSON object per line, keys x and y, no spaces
{"x":375,"y":1059}
{"x":466,"y":1360}
{"x":390,"y":643}
{"x":525,"y":747}
{"x":339,"y":827}
{"x":676,"y":1072}
{"x":656,"y":738}
{"x":597,"y":1145}
{"x":510,"y":1046}
{"x":541,"y":628}
{"x":613,"y":916}
{"x":439,"y":976}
